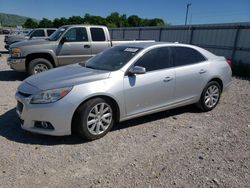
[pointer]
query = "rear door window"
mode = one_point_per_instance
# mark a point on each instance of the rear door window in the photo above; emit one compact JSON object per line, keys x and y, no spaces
{"x":186,"y":56}
{"x":97,"y":34}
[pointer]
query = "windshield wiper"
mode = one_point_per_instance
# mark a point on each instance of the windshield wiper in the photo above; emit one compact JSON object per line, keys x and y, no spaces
{"x":90,"y":67}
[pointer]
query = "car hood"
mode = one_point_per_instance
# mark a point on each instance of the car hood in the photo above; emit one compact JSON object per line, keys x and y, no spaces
{"x":62,"y":77}
{"x":17,"y":37}
{"x":30,"y":42}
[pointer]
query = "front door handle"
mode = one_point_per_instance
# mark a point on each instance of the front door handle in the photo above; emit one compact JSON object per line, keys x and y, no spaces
{"x":167,"y":79}
{"x":86,"y":46}
{"x":202,"y":71}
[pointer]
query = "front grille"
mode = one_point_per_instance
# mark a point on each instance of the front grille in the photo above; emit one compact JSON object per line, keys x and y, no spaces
{"x":44,"y":125}
{"x":19,"y":107}
{"x":24,"y":94}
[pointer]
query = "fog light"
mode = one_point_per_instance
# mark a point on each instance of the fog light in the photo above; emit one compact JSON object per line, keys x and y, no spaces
{"x":44,"y":125}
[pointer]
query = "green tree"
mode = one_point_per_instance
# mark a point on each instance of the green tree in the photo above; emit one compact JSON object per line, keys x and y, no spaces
{"x":29,"y":23}
{"x":157,"y":22}
{"x":45,"y":23}
{"x":87,"y":18}
{"x":57,"y":23}
{"x":60,"y":22}
{"x":94,"y":20}
{"x":75,"y":20}
{"x":145,"y":22}
{"x":134,"y":21}
{"x":64,"y":21}
{"x":123,"y":21}
{"x":111,"y":25}
{"x":111,"y":21}
{"x":116,"y":20}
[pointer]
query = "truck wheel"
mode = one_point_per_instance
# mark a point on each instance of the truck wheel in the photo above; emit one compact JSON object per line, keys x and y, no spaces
{"x":94,"y":119}
{"x":39,"y":65}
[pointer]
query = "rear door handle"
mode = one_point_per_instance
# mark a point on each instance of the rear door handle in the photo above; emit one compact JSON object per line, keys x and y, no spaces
{"x":167,"y":79}
{"x":202,"y":71}
{"x":86,"y":46}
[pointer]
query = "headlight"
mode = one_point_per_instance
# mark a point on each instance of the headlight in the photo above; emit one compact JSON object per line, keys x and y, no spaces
{"x":50,"y":96}
{"x":15,"y":52}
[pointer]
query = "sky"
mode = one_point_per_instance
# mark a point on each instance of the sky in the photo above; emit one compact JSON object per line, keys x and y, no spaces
{"x":173,"y":12}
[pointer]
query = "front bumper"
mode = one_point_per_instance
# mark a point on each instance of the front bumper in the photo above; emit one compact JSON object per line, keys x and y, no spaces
{"x":18,"y":64}
{"x":59,"y":114}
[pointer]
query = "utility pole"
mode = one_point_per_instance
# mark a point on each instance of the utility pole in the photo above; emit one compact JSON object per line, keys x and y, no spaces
{"x":188,"y":5}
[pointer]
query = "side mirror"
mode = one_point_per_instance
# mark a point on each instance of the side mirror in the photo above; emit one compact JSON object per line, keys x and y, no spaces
{"x":137,"y":70}
{"x":63,"y":40}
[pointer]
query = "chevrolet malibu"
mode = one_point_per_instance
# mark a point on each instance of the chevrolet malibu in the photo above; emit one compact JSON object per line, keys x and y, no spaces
{"x":121,"y":83}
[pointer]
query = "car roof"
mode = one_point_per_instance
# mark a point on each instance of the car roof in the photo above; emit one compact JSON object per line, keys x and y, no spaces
{"x":45,"y":28}
{"x":83,"y":25}
{"x":149,"y":44}
{"x":145,"y":45}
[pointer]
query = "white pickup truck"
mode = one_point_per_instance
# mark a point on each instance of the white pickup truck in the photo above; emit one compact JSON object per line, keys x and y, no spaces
{"x":69,"y":44}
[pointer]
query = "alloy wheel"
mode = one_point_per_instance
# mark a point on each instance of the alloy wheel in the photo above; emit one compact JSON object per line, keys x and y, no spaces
{"x":99,"y":118}
{"x":40,"y":68}
{"x":212,"y":96}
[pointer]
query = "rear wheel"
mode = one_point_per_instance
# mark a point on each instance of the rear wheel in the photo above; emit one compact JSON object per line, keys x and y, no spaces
{"x":39,"y":65}
{"x":210,"y":96}
{"x":94,"y":119}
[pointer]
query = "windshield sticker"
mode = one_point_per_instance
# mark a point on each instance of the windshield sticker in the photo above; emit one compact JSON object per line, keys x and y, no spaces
{"x":131,"y":50}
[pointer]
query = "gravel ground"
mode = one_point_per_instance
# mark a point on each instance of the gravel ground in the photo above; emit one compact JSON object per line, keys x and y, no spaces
{"x":176,"y":148}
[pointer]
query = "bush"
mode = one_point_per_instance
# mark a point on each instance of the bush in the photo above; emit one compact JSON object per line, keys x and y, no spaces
{"x":240,"y":68}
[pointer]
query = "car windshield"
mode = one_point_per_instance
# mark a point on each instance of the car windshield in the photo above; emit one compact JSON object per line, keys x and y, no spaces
{"x":56,"y":35}
{"x":112,"y":59}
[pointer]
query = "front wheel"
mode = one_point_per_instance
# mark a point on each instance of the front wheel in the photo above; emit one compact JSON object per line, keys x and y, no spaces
{"x":39,"y":65}
{"x":94,"y":119}
{"x":210,"y":96}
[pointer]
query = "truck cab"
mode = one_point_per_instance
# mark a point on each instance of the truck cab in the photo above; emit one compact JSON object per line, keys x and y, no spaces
{"x":79,"y":43}
{"x":67,"y":45}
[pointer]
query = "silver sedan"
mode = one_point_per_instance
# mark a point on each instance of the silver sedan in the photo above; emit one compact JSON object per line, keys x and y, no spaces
{"x":118,"y":84}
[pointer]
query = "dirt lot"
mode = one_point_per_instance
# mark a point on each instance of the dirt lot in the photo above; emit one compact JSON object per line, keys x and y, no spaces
{"x":176,"y":148}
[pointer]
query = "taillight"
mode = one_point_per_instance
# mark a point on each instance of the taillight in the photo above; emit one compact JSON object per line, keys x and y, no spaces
{"x":229,"y":62}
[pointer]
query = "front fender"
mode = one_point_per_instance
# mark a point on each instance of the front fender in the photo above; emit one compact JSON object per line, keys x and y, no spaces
{"x":42,"y":51}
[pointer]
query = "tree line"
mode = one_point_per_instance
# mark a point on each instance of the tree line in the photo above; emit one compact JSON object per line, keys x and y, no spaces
{"x":114,"y":20}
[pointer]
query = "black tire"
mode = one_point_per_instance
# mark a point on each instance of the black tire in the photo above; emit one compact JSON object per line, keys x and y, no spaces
{"x":44,"y":63}
{"x":82,"y":115}
{"x":202,"y":102}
